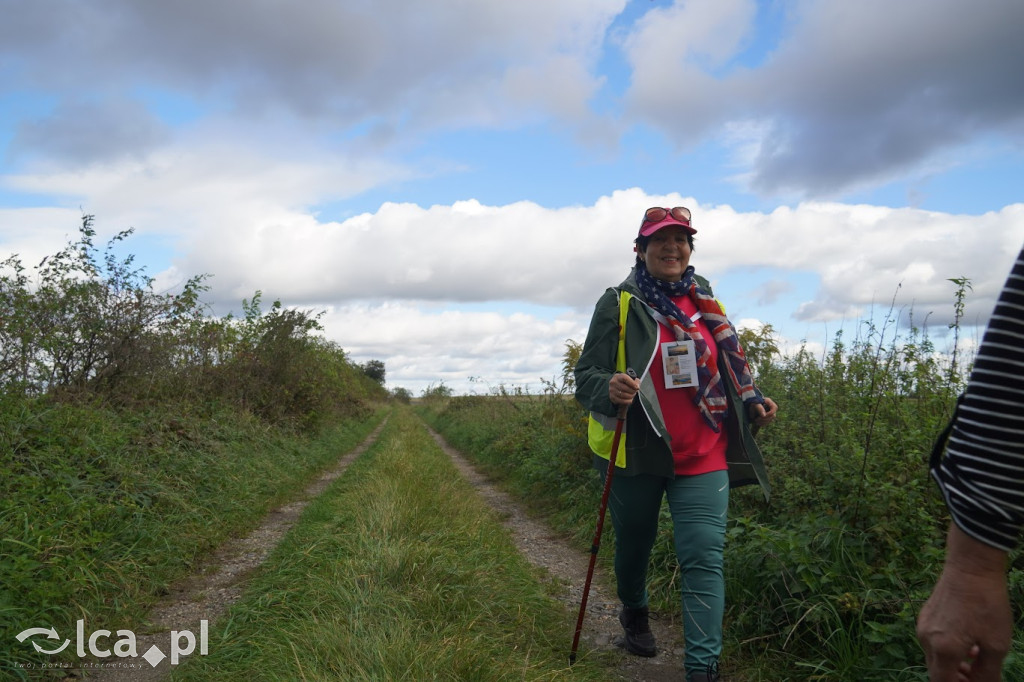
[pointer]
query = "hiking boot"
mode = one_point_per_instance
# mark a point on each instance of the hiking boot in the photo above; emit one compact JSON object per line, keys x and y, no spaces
{"x":639,"y":639}
{"x":710,"y":674}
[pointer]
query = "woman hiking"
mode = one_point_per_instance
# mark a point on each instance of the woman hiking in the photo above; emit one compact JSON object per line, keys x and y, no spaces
{"x":686,"y":437}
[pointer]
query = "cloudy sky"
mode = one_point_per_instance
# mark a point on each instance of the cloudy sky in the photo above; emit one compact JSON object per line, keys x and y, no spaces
{"x":455,"y":182}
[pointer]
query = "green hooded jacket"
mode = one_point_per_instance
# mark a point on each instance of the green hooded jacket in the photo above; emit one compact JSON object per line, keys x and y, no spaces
{"x":648,"y":449}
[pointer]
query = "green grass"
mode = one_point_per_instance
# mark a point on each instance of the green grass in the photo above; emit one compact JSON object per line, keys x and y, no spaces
{"x":399,"y":571}
{"x":101,"y":509}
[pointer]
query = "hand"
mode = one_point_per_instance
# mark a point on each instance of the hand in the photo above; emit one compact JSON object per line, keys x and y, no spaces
{"x":763,"y":415}
{"x":622,"y":389}
{"x":966,"y":625}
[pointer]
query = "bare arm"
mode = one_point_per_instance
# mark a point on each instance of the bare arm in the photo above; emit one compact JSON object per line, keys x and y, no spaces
{"x":967,"y":618}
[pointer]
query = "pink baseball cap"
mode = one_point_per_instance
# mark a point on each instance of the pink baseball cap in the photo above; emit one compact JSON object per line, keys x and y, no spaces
{"x":657,"y":217}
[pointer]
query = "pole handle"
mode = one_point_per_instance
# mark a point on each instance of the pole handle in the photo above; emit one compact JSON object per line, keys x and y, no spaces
{"x":624,"y":408}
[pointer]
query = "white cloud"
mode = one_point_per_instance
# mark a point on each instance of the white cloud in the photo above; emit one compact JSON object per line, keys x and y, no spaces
{"x":854,"y":93}
{"x":246,"y":222}
{"x":30,"y":234}
{"x":864,"y":253}
{"x":835,"y":98}
{"x":80,"y":131}
{"x":406,"y":283}
{"x":674,"y":53}
{"x":470,"y":351}
{"x":211,"y":179}
{"x":386,"y":65}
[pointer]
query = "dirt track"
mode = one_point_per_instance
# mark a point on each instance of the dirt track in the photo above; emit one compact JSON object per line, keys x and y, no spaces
{"x":207,"y":594}
{"x":568,"y":567}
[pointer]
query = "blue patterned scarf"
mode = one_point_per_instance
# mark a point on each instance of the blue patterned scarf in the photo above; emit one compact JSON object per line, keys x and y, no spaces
{"x":710,"y":396}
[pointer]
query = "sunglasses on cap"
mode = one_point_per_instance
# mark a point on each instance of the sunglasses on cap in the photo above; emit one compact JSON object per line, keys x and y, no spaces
{"x":657,"y":214}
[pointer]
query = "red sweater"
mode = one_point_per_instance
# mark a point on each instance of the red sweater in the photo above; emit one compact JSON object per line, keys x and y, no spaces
{"x":696,"y":448}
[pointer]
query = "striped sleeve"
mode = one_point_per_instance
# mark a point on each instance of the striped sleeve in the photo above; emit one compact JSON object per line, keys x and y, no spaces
{"x":981,"y":474}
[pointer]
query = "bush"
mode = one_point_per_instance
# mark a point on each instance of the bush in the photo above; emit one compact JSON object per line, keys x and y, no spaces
{"x":89,"y":322}
{"x":89,"y":325}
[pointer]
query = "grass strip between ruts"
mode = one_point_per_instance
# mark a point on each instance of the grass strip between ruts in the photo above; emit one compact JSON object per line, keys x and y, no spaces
{"x":398,"y":571}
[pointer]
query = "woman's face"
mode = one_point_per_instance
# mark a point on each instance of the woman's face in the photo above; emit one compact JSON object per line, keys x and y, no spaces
{"x":668,"y":253}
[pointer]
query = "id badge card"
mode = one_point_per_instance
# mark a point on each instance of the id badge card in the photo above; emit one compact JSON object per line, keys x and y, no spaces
{"x":680,"y":362}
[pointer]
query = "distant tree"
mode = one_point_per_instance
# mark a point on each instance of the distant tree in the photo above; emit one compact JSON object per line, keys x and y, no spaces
{"x":437,"y":392}
{"x":375,"y":370}
{"x":402,"y":395}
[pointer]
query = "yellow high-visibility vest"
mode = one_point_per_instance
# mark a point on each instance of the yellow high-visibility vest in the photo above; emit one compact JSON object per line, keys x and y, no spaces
{"x":601,"y":428}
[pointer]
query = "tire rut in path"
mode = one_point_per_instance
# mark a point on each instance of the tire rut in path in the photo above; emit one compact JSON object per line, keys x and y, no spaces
{"x":568,"y":566}
{"x":207,"y":593}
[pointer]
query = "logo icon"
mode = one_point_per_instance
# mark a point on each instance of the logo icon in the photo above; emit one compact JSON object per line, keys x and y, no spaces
{"x":50,"y":633}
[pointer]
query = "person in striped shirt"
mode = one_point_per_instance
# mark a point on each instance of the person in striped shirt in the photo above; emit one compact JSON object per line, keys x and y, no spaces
{"x":966,"y":625}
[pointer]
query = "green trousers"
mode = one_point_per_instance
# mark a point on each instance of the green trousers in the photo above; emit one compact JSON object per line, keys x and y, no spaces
{"x":698,"y":507}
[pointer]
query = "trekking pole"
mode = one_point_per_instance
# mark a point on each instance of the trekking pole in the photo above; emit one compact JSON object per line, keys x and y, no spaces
{"x":596,"y":543}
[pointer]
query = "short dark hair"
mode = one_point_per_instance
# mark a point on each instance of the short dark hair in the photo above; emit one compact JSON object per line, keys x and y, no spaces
{"x":642,"y":242}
